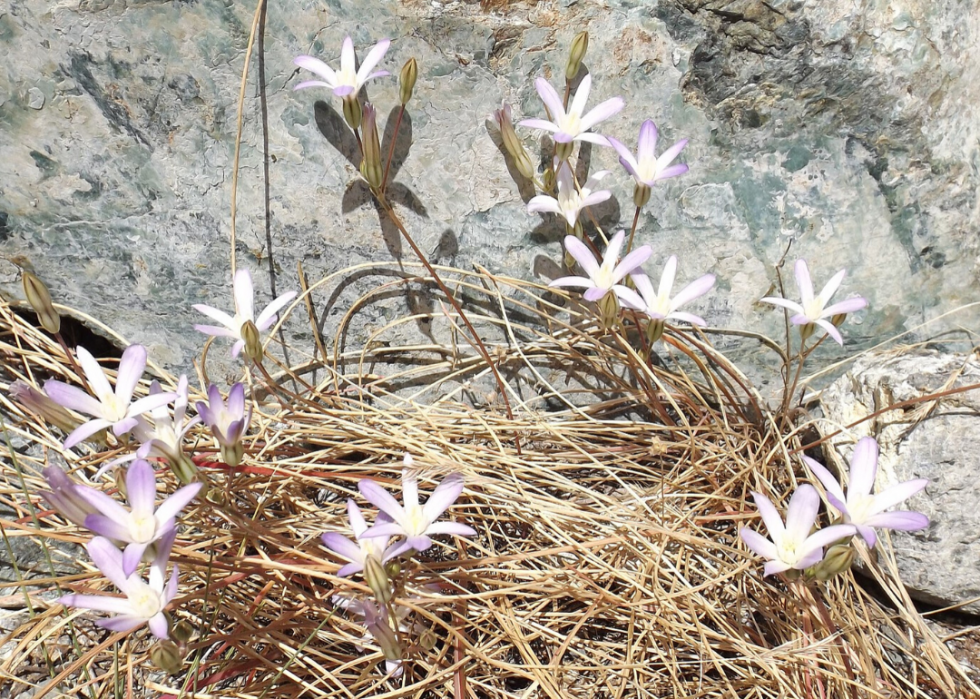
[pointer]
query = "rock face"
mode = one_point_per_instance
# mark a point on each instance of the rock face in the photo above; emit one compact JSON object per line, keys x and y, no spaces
{"x":845,"y":129}
{"x":937,"y":440}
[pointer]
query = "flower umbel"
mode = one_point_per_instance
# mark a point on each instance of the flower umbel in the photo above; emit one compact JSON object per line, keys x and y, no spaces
{"x":228,"y":422}
{"x":349,"y":80}
{"x":358,"y":553}
{"x":792,"y":545}
{"x":814,"y":309}
{"x":605,"y":277}
{"x":573,"y":125}
{"x":862,"y":509}
{"x":144,"y":602}
{"x":110,"y":408}
{"x":570,"y":200}
{"x":141,"y":525}
{"x":244,"y":310}
{"x":415,"y":522}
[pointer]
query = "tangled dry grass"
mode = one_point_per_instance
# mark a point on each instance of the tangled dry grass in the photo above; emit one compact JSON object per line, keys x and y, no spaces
{"x":607,"y":562}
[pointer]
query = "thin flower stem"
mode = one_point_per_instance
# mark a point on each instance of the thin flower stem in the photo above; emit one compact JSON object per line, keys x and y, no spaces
{"x":636,"y":219}
{"x":477,"y":342}
{"x":568,"y":93}
{"x":391,"y":148}
{"x":71,"y":360}
{"x":360,"y":146}
{"x":273,"y":387}
{"x":789,"y":389}
{"x":832,"y":629}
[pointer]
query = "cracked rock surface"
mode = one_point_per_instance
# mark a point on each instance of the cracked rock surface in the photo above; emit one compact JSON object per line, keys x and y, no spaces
{"x":847,"y":129}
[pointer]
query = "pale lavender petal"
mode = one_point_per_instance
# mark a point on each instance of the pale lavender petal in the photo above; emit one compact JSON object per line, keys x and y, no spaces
{"x":141,"y":488}
{"x":646,"y":149}
{"x":149,"y":403}
{"x":563,"y":137}
{"x":108,"y":559}
{"x":864,"y":467}
{"x":602,"y":112}
{"x":671,"y":171}
{"x":205,"y":412}
{"x":123,"y":426}
{"x":771,"y":518}
{"x":357,"y":523}
{"x":165,"y":544}
{"x":595,"y":293}
{"x":377,"y":74}
{"x":419,"y":543}
{"x":131,"y":368}
{"x":829,"y":483}
{"x":801,"y":512}
{"x":902,"y":520}
{"x":800,"y":319}
{"x":667,"y":278}
{"x":699,"y":287}
{"x":443,"y":496}
{"x":581,"y":253}
{"x":803,"y":282}
{"x":897,"y":494}
{"x":595,"y":138}
{"x":388,"y":529}
{"x":104,"y":504}
{"x":759,"y":544}
{"x":831,"y":287}
{"x":381,"y":498}
{"x":629,"y":297}
{"x":667,"y":157}
{"x":453,"y":528}
{"x":542,"y":203}
{"x":98,"y":603}
{"x":831,"y":330}
{"x":214,"y":314}
{"x":268,"y":315}
{"x":538,"y":124}
{"x":215,"y":331}
{"x":236,"y":399}
{"x":625,"y":157}
{"x":581,"y":97}
{"x":72,"y":398}
{"x":396,"y":550}
{"x":120,"y":624}
{"x":244,"y":294}
{"x":372,"y":59}
{"x":132,"y":555}
{"x":342,"y":546}
{"x":104,"y":526}
{"x":868,"y":534}
{"x":645,"y":287}
{"x":350,"y":569}
{"x":575,"y":282}
{"x":410,"y":489}
{"x":550,"y":98}
{"x":170,"y":507}
{"x":809,"y":559}
{"x":171,"y":590}
{"x":343,"y":90}
{"x":686,"y":318}
{"x":93,"y":372}
{"x":312,"y":83}
{"x":773,"y":567}
{"x":85,"y":431}
{"x":785,"y":303}
{"x":597,"y":197}
{"x":315,"y":65}
{"x":825,"y":536}
{"x":611,"y":254}
{"x":348,"y":59}
{"x":847,"y":306}
{"x":159,"y":626}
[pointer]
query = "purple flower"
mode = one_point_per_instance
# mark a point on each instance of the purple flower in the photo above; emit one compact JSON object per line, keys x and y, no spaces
{"x":40,"y":404}
{"x":660,"y":306}
{"x":65,"y":496}
{"x":244,"y":311}
{"x":862,"y":509}
{"x":573,"y":125}
{"x":144,"y":602}
{"x":228,"y":422}
{"x":571,"y":199}
{"x":413,"y":521}
{"x":110,"y":408}
{"x":605,"y":277}
{"x":646,"y":168}
{"x":358,"y":553}
{"x":792,"y":545}
{"x":815,"y":309}
{"x":139,"y":526}
{"x":164,"y":438}
{"x":349,"y":80}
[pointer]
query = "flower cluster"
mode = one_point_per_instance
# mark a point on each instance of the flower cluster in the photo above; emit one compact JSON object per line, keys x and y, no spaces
{"x":795,"y":546}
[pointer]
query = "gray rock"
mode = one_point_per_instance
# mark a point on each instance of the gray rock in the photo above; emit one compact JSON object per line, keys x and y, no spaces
{"x":835,"y":127}
{"x":938,"y":440}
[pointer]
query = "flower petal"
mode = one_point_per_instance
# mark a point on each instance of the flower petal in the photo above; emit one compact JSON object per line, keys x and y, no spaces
{"x":85,"y":431}
{"x":758,"y":544}
{"x":667,"y":157}
{"x":847,"y":306}
{"x":581,"y":253}
{"x":350,"y":569}
{"x":699,"y":287}
{"x":549,"y":96}
{"x":107,"y":527}
{"x":312,"y":83}
{"x":159,"y":626}
{"x":542,"y":203}
{"x":220,"y":316}
{"x":625,"y":157}
{"x":236,"y":399}
{"x":147,"y":403}
{"x":595,"y":138}
{"x":382,"y":499}
{"x":445,"y":494}
{"x":141,"y":488}
{"x":898,"y":493}
{"x":348,"y":59}
{"x":831,"y":287}
{"x":593,"y":198}
{"x":343,"y":547}
{"x":632,"y":262}
{"x":581,"y":97}
{"x":244,"y":294}
{"x":803,"y":282}
{"x":771,"y":518}
{"x":170,"y":507}
{"x":801,"y":512}
{"x":120,"y":624}
{"x":773,"y":567}
{"x":629,"y":298}
{"x":602,"y":111}
{"x":667,"y":277}
{"x":214,"y":330}
{"x":671,"y":171}
{"x":575,"y":282}
{"x":825,"y":536}
{"x":372,"y":59}
{"x":646,"y":147}
{"x":826,"y":479}
{"x":108,"y":559}
{"x":268,"y":315}
{"x":388,"y":529}
{"x":595,"y":293}
{"x":538,"y":124}
{"x":72,"y":398}
{"x":686,"y":318}
{"x":315,"y":65}
{"x":98,"y":603}
{"x":901,"y":520}
{"x":831,"y":330}
{"x":784,"y":303}
{"x":131,"y":368}
{"x":132,"y":555}
{"x":864,"y":467}
{"x":453,"y":528}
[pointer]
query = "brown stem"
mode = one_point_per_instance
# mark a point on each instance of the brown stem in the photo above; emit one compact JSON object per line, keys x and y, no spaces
{"x":391,"y":148}
{"x":71,"y":360}
{"x":477,"y":342}
{"x":636,"y":219}
{"x":360,"y":146}
{"x":568,"y":92}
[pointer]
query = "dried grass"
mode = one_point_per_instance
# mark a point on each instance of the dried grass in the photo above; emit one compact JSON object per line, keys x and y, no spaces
{"x":607,"y":562}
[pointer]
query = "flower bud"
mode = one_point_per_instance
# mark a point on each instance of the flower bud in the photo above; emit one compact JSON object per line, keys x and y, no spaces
{"x":837,"y":560}
{"x":44,"y":407}
{"x":580,"y":44}
{"x":838,"y":319}
{"x":655,"y":330}
{"x":182,"y":466}
{"x":377,"y":579}
{"x":253,"y":341}
{"x":371,"y":168}
{"x":427,"y":639}
{"x":352,"y":112}
{"x":393,"y":568}
{"x":183,"y":631}
{"x":641,"y":195}
{"x":512,"y":144}
{"x":40,"y":300}
{"x":608,"y":310}
{"x":406,"y":80}
{"x":549,"y":180}
{"x":167,"y":656}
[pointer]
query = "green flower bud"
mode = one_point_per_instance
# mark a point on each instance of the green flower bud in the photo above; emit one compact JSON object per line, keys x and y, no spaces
{"x":580,"y":44}
{"x":406,"y":80}
{"x":838,"y":319}
{"x":371,"y":168}
{"x":353,"y":112}
{"x":655,"y":330}
{"x":512,"y":144}
{"x":393,"y":568}
{"x":608,"y":310}
{"x":40,"y":300}
{"x":836,"y":561}
{"x":427,"y":639}
{"x":183,"y":631}
{"x":377,"y":579}
{"x":253,"y":341}
{"x":167,"y":656}
{"x":182,"y":466}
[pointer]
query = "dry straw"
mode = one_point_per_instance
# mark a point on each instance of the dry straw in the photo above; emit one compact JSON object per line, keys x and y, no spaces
{"x":607,"y":562}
